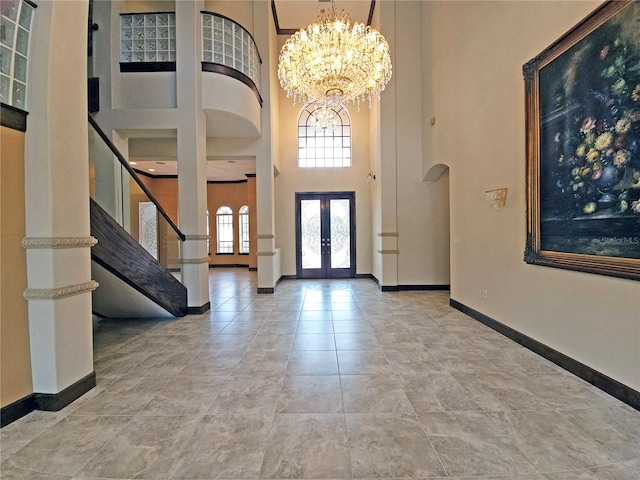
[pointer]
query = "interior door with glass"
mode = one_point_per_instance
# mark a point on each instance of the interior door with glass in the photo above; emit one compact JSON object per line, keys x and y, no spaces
{"x":325,"y":235}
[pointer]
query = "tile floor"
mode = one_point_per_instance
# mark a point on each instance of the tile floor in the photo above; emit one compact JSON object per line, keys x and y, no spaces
{"x":323,"y":379}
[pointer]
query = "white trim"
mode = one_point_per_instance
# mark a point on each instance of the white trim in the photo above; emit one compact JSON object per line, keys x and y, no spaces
{"x":193,"y":261}
{"x":60,"y":292}
{"x":58,"y":242}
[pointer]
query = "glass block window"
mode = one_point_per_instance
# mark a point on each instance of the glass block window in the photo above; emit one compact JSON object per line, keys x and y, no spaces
{"x":244,"y":228}
{"x":224,"y":229}
{"x":15,"y":27}
{"x":149,"y":37}
{"x":327,"y":147}
{"x":227,"y":43}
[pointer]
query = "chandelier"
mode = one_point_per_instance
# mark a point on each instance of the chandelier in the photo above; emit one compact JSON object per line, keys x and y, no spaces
{"x":323,"y":118}
{"x":333,"y":63}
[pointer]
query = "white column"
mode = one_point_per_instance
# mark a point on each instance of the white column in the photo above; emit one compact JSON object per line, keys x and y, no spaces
{"x":264,"y":34}
{"x":387,"y":244}
{"x":192,"y":154}
{"x":57,"y":203}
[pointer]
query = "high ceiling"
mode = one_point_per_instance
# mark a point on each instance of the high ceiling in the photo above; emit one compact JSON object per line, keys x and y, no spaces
{"x":290,"y":16}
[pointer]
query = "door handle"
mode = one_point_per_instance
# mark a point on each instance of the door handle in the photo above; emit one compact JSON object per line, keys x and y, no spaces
{"x":326,"y":244}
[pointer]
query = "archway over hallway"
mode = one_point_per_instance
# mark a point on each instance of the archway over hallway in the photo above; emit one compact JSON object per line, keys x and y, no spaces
{"x":440,"y":173}
{"x":435,"y":172}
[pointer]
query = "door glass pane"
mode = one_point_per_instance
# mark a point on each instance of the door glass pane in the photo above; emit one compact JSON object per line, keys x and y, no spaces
{"x":148,"y":227}
{"x":310,"y":222}
{"x":340,"y":234}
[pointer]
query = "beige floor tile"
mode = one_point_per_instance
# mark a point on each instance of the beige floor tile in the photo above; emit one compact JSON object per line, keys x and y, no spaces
{"x":323,"y":379}
{"x":310,"y":394}
{"x":223,"y":446}
{"x":312,"y":362}
{"x":436,"y":392}
{"x":314,"y":341}
{"x":363,"y":362}
{"x":145,"y":448}
{"x":69,"y":444}
{"x":551,"y":442}
{"x":374,"y":394}
{"x":472,"y":444}
{"x":248,"y":396}
{"x":307,"y":446}
{"x":617,"y":429}
{"x":185,"y":395}
{"x":390,"y":445}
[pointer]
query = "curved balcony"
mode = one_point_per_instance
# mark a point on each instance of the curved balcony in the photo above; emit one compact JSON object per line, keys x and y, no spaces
{"x":230,"y":50}
{"x":148,"y":44}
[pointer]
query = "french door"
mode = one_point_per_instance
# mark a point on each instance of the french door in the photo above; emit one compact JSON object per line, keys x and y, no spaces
{"x":325,"y":235}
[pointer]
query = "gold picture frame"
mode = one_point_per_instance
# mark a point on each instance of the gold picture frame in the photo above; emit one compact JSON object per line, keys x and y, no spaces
{"x":583,"y":146}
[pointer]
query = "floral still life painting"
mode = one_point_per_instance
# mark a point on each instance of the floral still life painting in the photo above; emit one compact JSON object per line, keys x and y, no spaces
{"x":583,"y":146}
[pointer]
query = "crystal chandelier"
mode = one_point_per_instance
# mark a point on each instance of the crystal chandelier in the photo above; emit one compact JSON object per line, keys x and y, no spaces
{"x":333,"y":62}
{"x":324,"y":118}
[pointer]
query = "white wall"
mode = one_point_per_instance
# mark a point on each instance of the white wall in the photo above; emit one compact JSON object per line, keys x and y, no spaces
{"x":479,"y":106}
{"x":423,"y":207}
{"x":292,"y":179}
{"x":144,"y":90}
{"x":240,"y":11}
{"x":403,"y":204}
{"x":375,"y":197}
{"x":398,"y":201}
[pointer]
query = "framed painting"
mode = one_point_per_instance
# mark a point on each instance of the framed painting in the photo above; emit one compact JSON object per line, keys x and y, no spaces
{"x":583,"y":146}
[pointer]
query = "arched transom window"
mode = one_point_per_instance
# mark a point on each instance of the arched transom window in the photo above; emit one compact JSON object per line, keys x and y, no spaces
{"x":243,"y":221}
{"x":224,"y":229}
{"x":324,"y":147}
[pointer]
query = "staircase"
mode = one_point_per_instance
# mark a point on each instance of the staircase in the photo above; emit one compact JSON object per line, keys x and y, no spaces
{"x":133,"y":283}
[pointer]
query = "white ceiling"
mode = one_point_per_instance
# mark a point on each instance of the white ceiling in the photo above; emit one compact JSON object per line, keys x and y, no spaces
{"x":292,"y":15}
{"x":220,"y":170}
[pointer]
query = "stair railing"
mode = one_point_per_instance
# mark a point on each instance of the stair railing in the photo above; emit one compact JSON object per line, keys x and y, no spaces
{"x":116,"y":187}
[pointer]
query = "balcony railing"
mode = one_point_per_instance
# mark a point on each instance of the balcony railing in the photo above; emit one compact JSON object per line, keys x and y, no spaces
{"x":226,"y":43}
{"x":148,"y":43}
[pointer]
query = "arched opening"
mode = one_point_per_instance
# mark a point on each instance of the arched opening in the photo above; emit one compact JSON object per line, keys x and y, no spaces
{"x":439,"y":174}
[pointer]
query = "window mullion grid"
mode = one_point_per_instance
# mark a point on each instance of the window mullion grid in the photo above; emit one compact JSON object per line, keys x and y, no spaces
{"x":11,"y":47}
{"x":324,"y":149}
{"x":11,"y":50}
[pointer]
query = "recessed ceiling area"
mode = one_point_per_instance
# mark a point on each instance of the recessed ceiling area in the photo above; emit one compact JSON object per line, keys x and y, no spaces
{"x":218,"y":170}
{"x":292,"y":15}
{"x":158,"y":157}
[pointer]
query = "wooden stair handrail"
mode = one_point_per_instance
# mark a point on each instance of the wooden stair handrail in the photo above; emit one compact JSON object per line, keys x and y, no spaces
{"x":132,"y":172}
